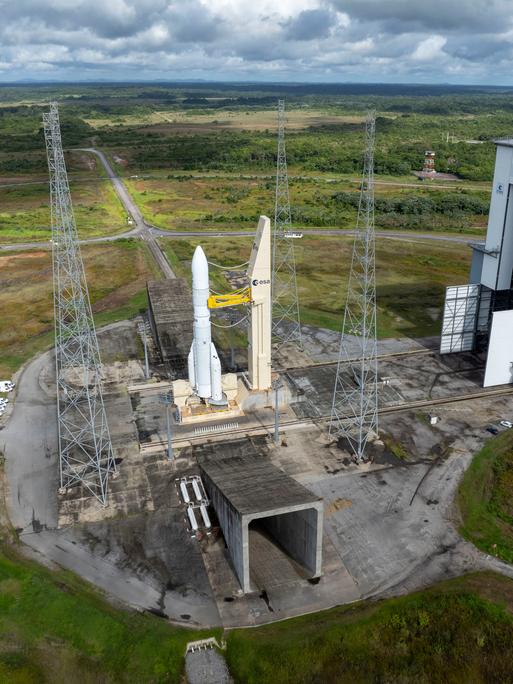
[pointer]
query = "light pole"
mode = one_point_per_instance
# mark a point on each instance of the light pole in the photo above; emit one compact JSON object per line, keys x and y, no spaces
{"x":143,"y":332}
{"x":167,"y":400}
{"x":276,"y":387}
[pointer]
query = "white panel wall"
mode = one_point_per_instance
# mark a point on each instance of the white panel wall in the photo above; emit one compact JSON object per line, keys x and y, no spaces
{"x":499,"y":368}
{"x":460,"y":317}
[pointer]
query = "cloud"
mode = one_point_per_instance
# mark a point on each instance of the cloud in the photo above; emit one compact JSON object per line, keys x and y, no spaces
{"x":316,"y":40}
{"x":310,"y":24}
{"x":429,"y":15}
{"x":429,"y":48}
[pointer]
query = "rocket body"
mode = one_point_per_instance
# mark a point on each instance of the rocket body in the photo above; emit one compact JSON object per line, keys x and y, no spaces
{"x":203,"y":363}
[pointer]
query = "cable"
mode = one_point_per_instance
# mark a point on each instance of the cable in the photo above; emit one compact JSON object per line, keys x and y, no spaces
{"x":241,"y":290}
{"x":232,"y":325}
{"x":239,"y":267}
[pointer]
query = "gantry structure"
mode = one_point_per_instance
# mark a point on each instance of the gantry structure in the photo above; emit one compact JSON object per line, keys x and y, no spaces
{"x":85,"y":449}
{"x":354,"y":413}
{"x":285,"y":301}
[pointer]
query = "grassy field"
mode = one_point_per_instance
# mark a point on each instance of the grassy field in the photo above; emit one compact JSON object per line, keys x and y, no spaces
{"x":56,"y":628}
{"x":411,"y":277}
{"x":449,"y":634}
{"x":260,"y":120}
{"x":213,"y":202}
{"x":485,"y":498}
{"x":25,"y":209}
{"x":116,"y":274}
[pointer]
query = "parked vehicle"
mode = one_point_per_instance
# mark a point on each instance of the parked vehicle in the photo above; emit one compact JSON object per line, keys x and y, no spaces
{"x":6,"y":386}
{"x":492,"y":429}
{"x":506,"y":423}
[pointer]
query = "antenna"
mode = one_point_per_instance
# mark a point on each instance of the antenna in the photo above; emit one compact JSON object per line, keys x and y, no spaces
{"x":354,"y":413}
{"x":85,"y":449}
{"x":286,"y":322}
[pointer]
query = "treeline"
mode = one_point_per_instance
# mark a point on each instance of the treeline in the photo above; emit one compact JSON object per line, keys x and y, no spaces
{"x":28,"y":134}
{"x":331,"y":151}
{"x":431,"y":212}
{"x":33,"y":164}
{"x":447,"y":203}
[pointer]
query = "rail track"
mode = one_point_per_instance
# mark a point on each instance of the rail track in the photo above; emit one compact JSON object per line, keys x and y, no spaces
{"x":265,"y":428}
{"x":321,"y":364}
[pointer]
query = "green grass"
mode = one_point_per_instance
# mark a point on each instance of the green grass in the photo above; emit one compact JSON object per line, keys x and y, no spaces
{"x":25,"y":209}
{"x":449,"y":634}
{"x":411,"y":277}
{"x":56,"y":628}
{"x":220,"y":202}
{"x":485,"y":498}
{"x":116,"y":273}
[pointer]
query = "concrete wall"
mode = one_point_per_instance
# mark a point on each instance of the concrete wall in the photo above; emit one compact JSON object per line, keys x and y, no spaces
{"x":231,"y":525}
{"x":298,"y":529}
{"x":300,"y":534}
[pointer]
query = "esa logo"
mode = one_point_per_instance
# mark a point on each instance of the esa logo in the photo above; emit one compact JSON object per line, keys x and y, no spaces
{"x":260,"y":282}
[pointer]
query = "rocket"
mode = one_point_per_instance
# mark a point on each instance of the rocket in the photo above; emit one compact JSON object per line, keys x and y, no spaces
{"x":203,"y":362}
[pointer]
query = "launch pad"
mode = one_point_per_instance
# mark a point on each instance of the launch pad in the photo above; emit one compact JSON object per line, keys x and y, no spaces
{"x":139,"y":548}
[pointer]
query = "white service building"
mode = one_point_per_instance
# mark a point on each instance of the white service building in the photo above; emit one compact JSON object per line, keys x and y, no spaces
{"x":478,"y":316}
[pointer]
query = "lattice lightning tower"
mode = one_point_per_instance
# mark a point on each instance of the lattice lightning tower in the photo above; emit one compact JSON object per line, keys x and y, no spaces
{"x":85,"y":449}
{"x":354,"y":413}
{"x":286,"y":322}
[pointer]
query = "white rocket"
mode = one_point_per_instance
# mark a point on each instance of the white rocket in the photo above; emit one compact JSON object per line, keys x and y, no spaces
{"x":203,"y":361}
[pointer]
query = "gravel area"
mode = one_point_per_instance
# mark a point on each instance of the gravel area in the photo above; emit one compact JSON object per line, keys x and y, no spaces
{"x":206,"y":667}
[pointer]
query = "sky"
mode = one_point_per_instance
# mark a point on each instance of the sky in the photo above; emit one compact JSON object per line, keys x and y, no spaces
{"x":412,"y":41}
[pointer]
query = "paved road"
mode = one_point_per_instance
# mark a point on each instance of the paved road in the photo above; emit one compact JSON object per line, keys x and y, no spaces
{"x":391,"y":235}
{"x":148,"y":233}
{"x":30,"y":448}
{"x":176,"y":234}
{"x":429,"y":185}
{"x":141,"y":228}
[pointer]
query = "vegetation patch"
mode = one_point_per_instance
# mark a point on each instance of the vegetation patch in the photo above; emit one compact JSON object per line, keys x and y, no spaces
{"x":485,"y":498}
{"x":25,"y":208}
{"x":116,"y":275}
{"x":231,"y":201}
{"x":411,"y":277}
{"x":449,"y":634}
{"x":56,"y":628}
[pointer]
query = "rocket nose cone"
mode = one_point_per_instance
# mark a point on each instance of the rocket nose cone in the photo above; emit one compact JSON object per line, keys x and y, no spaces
{"x":199,"y":256}
{"x":199,"y":268}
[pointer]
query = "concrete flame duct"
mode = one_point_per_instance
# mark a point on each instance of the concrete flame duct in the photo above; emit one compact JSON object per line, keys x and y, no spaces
{"x":245,"y":486}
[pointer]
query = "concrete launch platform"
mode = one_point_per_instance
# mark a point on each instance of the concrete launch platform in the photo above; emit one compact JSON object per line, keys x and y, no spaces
{"x":387,"y":526}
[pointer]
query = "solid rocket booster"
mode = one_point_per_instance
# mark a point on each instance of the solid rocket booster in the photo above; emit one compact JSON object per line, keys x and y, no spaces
{"x":204,"y":364}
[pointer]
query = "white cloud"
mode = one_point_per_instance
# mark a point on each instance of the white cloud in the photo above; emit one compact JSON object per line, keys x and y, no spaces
{"x":430,"y":48}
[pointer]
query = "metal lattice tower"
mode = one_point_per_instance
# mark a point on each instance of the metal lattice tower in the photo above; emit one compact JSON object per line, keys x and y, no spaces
{"x":85,"y":449}
{"x":286,"y":322}
{"x":354,"y":413}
